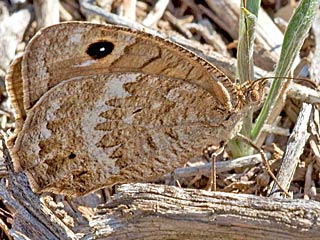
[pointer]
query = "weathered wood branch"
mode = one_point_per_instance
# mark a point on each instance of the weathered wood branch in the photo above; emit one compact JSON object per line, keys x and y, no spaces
{"x":295,"y":146}
{"x":32,"y":218}
{"x":47,"y":12}
{"x":11,"y":36}
{"x":146,"y":211}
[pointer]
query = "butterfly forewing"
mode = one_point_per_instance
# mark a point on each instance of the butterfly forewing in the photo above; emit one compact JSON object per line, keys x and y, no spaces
{"x":87,"y":49}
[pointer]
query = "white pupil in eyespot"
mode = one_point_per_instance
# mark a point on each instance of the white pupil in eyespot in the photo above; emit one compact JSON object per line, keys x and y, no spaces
{"x":102,"y":49}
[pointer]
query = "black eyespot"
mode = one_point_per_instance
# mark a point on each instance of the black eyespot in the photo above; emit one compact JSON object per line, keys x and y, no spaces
{"x":99,"y":50}
{"x":71,"y":156}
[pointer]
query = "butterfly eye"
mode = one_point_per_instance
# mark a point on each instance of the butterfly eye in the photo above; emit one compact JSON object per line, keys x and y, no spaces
{"x":254,"y":96}
{"x":99,"y":50}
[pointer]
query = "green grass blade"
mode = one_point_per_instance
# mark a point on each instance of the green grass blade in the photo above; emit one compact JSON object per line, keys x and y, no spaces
{"x":295,"y":34}
{"x":247,"y":26}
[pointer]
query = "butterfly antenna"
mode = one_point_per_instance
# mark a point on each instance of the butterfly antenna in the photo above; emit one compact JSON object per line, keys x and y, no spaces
{"x":314,"y":85}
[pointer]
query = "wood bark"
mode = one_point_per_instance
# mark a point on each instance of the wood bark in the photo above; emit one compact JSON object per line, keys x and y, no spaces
{"x":295,"y":146}
{"x":47,"y":12}
{"x":147,"y":211}
{"x":32,"y":219}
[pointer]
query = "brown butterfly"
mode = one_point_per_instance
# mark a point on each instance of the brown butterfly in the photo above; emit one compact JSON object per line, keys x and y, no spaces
{"x":97,"y":105}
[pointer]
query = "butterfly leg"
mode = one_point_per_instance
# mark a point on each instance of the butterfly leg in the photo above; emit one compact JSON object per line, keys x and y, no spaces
{"x":212,"y":153}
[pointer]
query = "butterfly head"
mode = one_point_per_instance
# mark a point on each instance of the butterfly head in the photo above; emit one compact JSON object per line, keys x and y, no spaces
{"x":253,"y":92}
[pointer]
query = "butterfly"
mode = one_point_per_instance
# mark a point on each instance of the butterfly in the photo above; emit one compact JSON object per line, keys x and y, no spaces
{"x":96,"y":105}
